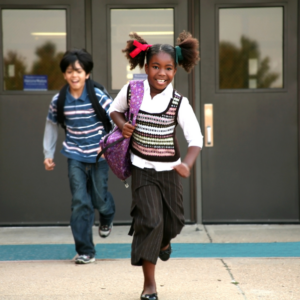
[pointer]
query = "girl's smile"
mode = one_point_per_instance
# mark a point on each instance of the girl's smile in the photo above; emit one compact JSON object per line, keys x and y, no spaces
{"x":161,"y":71}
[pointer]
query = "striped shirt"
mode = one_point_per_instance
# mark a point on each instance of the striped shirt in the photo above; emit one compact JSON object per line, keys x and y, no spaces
{"x":83,"y":128}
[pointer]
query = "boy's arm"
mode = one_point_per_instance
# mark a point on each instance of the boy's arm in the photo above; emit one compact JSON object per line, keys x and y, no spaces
{"x":49,"y":144}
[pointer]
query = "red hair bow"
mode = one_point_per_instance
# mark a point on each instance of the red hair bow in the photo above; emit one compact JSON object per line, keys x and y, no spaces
{"x":139,"y":47}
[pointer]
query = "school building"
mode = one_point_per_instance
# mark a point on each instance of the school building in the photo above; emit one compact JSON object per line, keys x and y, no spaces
{"x":244,"y":91}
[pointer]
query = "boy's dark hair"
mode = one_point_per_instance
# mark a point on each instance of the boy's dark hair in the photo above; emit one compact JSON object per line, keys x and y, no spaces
{"x":86,"y":62}
{"x":71,"y":56}
{"x":188,"y":45}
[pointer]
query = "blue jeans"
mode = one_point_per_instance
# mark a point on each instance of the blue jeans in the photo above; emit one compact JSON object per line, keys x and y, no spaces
{"x":88,"y":185}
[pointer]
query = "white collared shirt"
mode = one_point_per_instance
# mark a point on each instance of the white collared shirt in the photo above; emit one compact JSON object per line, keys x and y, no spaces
{"x":186,"y":119}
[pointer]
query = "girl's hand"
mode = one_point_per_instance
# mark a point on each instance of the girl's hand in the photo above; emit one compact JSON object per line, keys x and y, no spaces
{"x":183,"y":170}
{"x":49,"y":164}
{"x":127,"y":130}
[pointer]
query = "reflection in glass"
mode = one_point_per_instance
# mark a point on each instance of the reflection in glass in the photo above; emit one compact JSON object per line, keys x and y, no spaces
{"x":33,"y":44}
{"x":154,"y":25}
{"x":251,"y":48}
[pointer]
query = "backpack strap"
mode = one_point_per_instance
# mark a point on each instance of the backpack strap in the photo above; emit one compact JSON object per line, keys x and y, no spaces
{"x":60,"y":106}
{"x":99,"y":110}
{"x":136,"y":98}
{"x":135,"y":94}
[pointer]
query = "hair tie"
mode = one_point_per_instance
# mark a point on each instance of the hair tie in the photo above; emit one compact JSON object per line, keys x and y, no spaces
{"x":139,"y":47}
{"x":178,"y":53}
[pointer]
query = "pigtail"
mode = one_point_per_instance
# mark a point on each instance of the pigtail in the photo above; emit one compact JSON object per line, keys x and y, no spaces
{"x":139,"y":59}
{"x":189,"y":49}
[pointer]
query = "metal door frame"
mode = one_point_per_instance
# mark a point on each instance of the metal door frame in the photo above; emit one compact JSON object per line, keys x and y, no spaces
{"x":101,"y":19}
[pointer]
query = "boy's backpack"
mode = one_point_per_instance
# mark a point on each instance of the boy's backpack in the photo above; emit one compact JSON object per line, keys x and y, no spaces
{"x":114,"y":146}
{"x":99,"y":110}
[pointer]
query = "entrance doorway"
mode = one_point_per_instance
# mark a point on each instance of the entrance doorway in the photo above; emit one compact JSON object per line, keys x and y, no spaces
{"x":28,"y":194}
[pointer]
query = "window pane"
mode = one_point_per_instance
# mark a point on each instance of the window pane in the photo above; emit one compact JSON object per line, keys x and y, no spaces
{"x":154,"y":25}
{"x":251,"y":48}
{"x":33,"y":44}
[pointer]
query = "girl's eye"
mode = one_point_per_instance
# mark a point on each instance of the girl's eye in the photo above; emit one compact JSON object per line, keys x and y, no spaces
{"x":155,"y":67}
{"x":169,"y":69}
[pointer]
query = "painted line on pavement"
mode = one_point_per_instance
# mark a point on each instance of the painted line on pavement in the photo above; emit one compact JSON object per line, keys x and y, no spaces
{"x":180,"y":250}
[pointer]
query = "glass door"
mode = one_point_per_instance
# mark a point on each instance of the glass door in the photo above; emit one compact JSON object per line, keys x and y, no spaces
{"x":157,"y":22}
{"x":33,"y":38}
{"x":250,"y":107}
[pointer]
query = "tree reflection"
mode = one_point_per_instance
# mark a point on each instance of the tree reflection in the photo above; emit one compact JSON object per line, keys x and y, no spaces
{"x":234,"y":70}
{"x":47,"y":63}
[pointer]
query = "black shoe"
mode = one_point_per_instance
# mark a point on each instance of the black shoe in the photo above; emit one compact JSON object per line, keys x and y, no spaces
{"x":164,"y":255}
{"x":149,"y":296}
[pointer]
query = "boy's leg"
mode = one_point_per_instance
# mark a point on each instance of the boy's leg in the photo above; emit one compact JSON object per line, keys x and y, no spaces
{"x":82,"y":218}
{"x":102,"y":199}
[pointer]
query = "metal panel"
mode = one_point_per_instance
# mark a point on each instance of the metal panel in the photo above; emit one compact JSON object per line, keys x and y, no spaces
{"x":29,"y":194}
{"x":251,"y":173}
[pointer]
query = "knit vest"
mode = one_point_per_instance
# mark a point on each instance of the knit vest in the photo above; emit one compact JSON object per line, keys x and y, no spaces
{"x":154,"y":137}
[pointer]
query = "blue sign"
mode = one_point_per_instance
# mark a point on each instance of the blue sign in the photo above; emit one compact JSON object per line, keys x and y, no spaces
{"x":35,"y":83}
{"x":140,"y":76}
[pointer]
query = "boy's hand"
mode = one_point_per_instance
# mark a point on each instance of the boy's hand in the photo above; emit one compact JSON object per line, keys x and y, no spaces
{"x":183,"y":170}
{"x":127,"y":130}
{"x":99,"y":150}
{"x":49,"y":164}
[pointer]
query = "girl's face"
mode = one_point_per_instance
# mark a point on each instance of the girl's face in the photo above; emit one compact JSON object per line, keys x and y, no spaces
{"x":76,"y":77}
{"x":160,"y":70}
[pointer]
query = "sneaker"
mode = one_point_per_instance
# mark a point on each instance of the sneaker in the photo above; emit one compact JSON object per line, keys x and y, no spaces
{"x":84,"y":259}
{"x":105,"y":230}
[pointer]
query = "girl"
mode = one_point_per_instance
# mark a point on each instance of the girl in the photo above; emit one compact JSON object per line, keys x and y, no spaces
{"x":157,"y":205}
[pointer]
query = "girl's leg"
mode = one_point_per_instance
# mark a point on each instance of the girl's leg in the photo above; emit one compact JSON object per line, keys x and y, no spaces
{"x":172,"y":207}
{"x":164,"y":248}
{"x":147,"y":213}
{"x":149,"y":277}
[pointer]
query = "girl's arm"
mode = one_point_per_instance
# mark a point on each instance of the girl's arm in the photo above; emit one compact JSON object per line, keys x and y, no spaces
{"x":120,"y":121}
{"x":191,"y":129}
{"x":184,"y":168}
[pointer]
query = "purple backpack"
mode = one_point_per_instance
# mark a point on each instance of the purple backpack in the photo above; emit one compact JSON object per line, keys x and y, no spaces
{"x":114,"y":146}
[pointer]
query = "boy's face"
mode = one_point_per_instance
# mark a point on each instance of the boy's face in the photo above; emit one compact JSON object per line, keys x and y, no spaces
{"x":76,"y":77}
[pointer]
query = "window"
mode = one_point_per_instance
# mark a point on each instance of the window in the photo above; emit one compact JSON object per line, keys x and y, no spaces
{"x":34,"y":41}
{"x":154,"y":25}
{"x":251,"y":48}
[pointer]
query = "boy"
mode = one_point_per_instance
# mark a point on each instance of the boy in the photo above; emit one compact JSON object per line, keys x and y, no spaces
{"x":85,"y":122}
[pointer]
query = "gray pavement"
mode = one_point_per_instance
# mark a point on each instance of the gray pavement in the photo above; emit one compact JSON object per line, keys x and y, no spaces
{"x":179,"y":278}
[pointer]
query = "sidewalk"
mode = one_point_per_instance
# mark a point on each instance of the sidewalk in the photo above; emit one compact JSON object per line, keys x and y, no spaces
{"x":209,"y":262}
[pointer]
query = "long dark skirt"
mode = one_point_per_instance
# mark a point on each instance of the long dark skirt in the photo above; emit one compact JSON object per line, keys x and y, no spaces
{"x":157,"y":211}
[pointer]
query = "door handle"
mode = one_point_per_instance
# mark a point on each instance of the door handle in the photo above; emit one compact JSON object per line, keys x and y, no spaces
{"x":208,"y":124}
{"x":208,"y":132}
